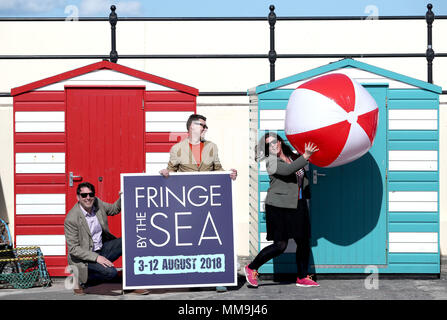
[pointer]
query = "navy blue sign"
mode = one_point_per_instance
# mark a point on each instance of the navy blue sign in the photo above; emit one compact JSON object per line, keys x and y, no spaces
{"x":178,"y":231}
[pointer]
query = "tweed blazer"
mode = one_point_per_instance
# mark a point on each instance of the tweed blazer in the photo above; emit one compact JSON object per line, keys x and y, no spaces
{"x":283,"y":190}
{"x":181,"y":158}
{"x":79,"y":238}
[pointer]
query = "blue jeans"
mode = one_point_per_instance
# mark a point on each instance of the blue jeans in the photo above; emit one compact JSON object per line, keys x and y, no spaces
{"x":97,"y":273}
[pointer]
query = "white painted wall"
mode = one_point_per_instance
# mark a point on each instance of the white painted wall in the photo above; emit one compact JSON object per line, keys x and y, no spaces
{"x":228,"y":128}
{"x":228,"y":117}
{"x":6,"y":162}
{"x":443,"y":173}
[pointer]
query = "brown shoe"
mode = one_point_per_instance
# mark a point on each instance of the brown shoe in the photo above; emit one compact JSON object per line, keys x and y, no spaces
{"x":79,"y":292}
{"x":141,"y":292}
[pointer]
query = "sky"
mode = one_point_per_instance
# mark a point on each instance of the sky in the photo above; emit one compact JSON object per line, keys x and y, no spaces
{"x":213,"y":8}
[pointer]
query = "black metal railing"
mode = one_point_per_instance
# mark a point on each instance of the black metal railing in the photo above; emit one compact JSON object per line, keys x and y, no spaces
{"x":272,"y":55}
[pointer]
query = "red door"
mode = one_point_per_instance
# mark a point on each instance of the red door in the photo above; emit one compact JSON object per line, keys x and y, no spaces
{"x":105,"y":137}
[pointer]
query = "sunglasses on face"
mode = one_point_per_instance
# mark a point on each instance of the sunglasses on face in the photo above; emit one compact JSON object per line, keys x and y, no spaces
{"x":204,"y":126}
{"x":84,"y":195}
{"x":273,"y":141}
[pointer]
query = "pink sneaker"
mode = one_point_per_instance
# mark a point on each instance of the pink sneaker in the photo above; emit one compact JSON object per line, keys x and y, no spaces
{"x":251,"y":276}
{"x":306,"y":282}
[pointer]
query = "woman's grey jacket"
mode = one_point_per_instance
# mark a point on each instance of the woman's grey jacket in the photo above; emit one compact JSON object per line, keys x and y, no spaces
{"x":283,"y":190}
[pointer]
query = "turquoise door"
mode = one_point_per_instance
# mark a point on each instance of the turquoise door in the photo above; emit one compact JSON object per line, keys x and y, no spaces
{"x":348,"y":205}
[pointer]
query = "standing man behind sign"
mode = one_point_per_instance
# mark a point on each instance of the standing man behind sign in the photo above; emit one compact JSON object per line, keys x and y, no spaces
{"x":195,"y":153}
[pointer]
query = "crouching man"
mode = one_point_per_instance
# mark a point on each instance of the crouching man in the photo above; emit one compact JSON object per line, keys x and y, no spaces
{"x":92,"y":249}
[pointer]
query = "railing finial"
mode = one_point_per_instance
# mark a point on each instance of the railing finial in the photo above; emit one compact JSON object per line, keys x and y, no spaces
{"x":113,"y":19}
{"x":430,"y":53}
{"x":272,"y":52}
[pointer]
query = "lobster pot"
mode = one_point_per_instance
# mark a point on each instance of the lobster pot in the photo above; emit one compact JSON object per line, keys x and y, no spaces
{"x":379,"y":213}
{"x":88,"y":124}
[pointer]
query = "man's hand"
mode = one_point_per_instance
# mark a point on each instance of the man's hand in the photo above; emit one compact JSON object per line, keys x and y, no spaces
{"x":233,"y":174}
{"x":104,"y":261}
{"x":164,"y":173}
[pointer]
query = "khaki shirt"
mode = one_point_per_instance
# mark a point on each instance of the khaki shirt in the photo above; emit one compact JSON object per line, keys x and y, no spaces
{"x":181,"y":158}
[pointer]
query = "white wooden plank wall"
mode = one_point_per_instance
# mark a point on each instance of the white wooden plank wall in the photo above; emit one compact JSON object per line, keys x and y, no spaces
{"x":262,"y":196}
{"x":413,"y":201}
{"x":39,"y":121}
{"x":40,"y":162}
{"x":155,"y":161}
{"x":36,"y":204}
{"x":413,"y":160}
{"x":271,"y":119}
{"x":413,"y":242}
{"x":166,"y":121}
{"x":413,"y":119}
{"x":51,"y":245}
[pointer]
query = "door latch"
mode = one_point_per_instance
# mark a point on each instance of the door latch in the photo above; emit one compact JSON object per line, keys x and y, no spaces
{"x":72,"y":178}
{"x":316,"y":175}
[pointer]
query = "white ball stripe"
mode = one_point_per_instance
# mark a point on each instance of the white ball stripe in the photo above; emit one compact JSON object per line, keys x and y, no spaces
{"x":315,"y":111}
{"x":356,"y":146}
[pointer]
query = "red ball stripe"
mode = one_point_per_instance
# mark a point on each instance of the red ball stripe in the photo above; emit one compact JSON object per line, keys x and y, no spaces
{"x":329,"y":148}
{"x":337,"y":87}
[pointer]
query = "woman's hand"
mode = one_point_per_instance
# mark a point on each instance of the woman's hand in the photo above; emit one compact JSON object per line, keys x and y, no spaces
{"x":309,"y":149}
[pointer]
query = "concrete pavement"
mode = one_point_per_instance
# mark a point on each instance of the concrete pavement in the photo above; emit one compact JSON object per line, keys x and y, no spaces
{"x":332,"y":287}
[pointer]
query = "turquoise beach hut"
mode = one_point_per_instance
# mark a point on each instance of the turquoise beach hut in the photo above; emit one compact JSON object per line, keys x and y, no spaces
{"x":379,"y":213}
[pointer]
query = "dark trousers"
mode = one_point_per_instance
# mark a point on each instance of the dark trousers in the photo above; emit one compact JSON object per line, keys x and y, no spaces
{"x":97,"y":273}
{"x":277,"y":248}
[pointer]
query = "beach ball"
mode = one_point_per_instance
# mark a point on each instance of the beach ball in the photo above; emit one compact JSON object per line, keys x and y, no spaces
{"x":337,"y":114}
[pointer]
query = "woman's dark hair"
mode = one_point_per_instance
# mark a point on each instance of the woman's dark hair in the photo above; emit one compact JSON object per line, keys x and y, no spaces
{"x":262,"y":149}
{"x":85,"y":185}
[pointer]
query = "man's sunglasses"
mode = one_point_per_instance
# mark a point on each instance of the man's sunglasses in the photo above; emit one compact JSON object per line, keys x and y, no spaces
{"x":204,"y":126}
{"x":84,"y":195}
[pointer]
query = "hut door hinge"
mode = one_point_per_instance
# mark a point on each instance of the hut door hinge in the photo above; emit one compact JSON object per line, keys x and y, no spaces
{"x":142,"y":104}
